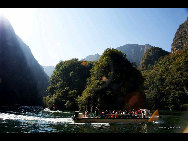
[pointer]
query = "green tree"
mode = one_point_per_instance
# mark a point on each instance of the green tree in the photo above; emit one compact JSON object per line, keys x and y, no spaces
{"x":113,"y":82}
{"x":67,"y":83}
{"x":151,"y":57}
{"x":166,"y":83}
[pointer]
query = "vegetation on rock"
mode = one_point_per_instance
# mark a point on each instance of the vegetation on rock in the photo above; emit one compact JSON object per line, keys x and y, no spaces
{"x":166,"y":83}
{"x":114,"y":84}
{"x":67,"y":83}
{"x":151,"y":57}
{"x":181,"y":37}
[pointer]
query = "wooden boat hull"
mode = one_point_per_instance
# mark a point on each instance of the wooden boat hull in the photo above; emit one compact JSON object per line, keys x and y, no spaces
{"x":110,"y":120}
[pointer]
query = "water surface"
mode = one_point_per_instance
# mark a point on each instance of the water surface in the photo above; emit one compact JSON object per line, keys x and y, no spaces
{"x":29,"y":119}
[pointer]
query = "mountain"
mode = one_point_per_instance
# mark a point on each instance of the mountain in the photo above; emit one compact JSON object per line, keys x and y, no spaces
{"x":181,"y":37}
{"x":134,"y":53}
{"x":166,"y":83}
{"x":151,"y":56}
{"x":49,"y":70}
{"x":22,"y":79}
{"x":92,"y":57}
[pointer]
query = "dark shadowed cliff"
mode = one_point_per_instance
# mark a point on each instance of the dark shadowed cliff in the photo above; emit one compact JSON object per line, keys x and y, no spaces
{"x":22,"y":79}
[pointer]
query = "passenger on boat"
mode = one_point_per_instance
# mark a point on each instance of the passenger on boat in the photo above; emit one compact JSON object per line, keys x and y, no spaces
{"x":139,"y":111}
{"x":85,"y":115}
{"x":130,"y":113}
{"x":116,"y":114}
{"x":112,"y":114}
{"x":121,"y":114}
{"x":96,"y":111}
{"x":53,"y":106}
{"x":133,"y":112}
{"x":103,"y":114}
{"x":136,"y":114}
{"x":106,"y":113}
{"x":109,"y":114}
{"x":143,"y":115}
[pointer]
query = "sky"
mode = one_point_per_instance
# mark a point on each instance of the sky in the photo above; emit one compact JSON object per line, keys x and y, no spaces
{"x":55,"y":34}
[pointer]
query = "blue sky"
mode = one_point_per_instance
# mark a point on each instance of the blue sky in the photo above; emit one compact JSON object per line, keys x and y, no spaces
{"x":60,"y":34}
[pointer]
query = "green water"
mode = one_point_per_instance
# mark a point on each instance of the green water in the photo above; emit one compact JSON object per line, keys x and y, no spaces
{"x":38,"y":120}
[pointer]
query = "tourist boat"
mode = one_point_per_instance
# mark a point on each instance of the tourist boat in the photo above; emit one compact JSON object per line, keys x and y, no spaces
{"x":145,"y":117}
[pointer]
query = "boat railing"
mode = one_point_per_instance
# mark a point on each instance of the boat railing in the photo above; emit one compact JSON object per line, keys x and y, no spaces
{"x":121,"y":116}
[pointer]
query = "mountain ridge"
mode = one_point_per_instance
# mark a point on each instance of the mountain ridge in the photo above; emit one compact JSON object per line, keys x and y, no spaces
{"x":134,"y":53}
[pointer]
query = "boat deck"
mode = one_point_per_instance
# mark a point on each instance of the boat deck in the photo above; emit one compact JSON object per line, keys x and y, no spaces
{"x":110,"y":120}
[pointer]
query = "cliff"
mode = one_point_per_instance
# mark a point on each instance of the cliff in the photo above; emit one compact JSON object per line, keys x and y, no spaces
{"x":22,"y":79}
{"x":181,"y":37}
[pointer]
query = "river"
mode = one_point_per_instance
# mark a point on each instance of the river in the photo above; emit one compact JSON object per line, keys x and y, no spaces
{"x":30,"y":119}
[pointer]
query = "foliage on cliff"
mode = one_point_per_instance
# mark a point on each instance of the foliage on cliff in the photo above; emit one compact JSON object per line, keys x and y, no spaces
{"x":67,"y":83}
{"x":151,"y":57}
{"x":166,"y":84}
{"x":181,"y":37}
{"x":114,"y":84}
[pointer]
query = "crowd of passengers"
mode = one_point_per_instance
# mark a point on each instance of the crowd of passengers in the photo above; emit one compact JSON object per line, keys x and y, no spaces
{"x":122,"y":114}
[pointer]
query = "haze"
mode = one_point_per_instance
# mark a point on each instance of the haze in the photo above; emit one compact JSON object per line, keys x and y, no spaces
{"x":55,"y":34}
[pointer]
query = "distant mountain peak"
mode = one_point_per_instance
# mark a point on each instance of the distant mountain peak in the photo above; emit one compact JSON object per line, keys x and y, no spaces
{"x":134,"y":53}
{"x":49,"y":70}
{"x":94,"y":57}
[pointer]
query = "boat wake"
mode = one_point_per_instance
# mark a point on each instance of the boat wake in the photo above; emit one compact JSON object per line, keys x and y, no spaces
{"x":50,"y":111}
{"x":25,"y":118}
{"x":43,"y":120}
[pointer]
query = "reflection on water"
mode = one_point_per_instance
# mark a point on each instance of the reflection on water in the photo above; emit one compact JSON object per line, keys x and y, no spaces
{"x":38,"y":120}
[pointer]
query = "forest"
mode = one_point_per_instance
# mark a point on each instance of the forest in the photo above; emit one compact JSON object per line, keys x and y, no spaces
{"x":113,"y":82}
{"x":166,"y":83}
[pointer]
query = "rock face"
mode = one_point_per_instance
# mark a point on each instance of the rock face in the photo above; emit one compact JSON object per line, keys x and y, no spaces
{"x":92,"y":57}
{"x":151,"y":56}
{"x":181,"y":37}
{"x":22,"y":80}
{"x":134,"y":53}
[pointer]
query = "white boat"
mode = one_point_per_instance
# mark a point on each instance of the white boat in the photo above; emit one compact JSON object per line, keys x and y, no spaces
{"x":110,"y":120}
{"x":146,"y":117}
